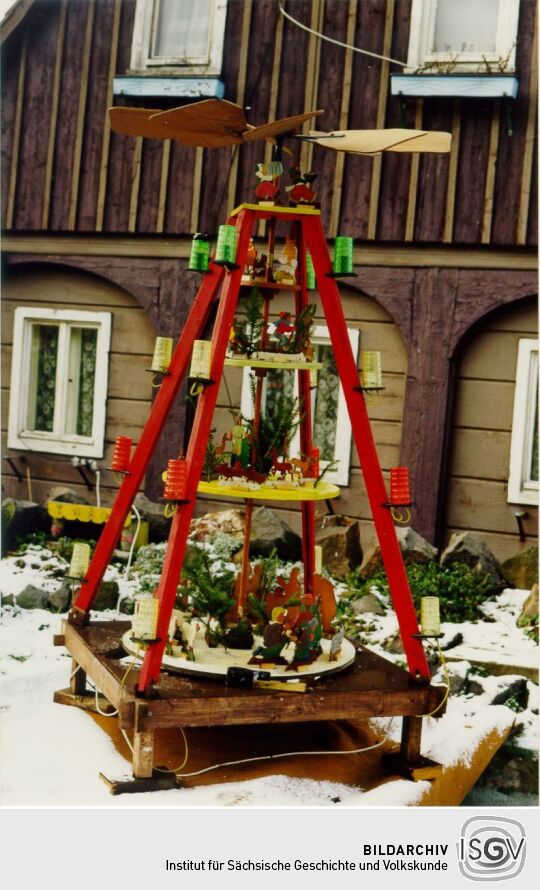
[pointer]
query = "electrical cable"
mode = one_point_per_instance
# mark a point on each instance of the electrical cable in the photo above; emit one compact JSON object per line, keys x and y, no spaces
{"x":124,"y":678}
{"x":355,"y":49}
{"x":134,"y":541}
{"x":447,"y":679}
{"x":98,"y":487}
{"x":29,"y":482}
{"x":208,"y":769}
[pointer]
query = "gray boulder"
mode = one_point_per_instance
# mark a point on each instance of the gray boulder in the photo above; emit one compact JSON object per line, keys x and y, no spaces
{"x":458,"y":675}
{"x":339,"y":537}
{"x":32,"y":598}
{"x":368,"y":603}
{"x":21,"y":518}
{"x":512,"y":687}
{"x":158,"y":524}
{"x":227,"y":522}
{"x":394,"y":644}
{"x":60,"y":599}
{"x":469,"y":549}
{"x":512,"y":770}
{"x":106,"y":596}
{"x":529,"y":612}
{"x":414,"y":548}
{"x":268,"y":531}
{"x":65,"y":495}
{"x":127,"y":606}
{"x":521,"y":570}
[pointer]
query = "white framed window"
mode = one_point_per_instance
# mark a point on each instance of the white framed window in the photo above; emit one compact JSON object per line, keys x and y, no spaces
{"x":523,"y":478}
{"x":330,"y":418}
{"x":59,"y":374}
{"x":178,"y":36}
{"x":452,"y":36}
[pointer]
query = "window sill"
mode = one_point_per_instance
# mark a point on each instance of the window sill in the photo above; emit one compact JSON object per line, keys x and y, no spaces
{"x":181,"y":87}
{"x":465,"y":85}
{"x":45,"y":443}
{"x":525,"y":497}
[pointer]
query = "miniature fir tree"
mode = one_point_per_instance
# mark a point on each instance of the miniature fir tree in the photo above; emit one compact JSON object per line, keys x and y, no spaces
{"x":247,"y":330}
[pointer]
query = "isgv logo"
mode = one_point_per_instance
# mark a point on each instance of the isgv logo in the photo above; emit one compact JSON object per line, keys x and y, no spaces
{"x":491,"y":848}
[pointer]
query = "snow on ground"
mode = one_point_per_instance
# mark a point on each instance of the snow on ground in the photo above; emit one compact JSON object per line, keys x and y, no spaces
{"x":52,"y":754}
{"x":500,"y":639}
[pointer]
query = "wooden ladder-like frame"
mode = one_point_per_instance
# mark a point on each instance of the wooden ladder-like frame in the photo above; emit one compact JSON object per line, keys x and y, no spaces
{"x":224,"y":286}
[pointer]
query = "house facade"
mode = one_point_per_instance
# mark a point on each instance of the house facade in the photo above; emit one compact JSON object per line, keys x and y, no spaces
{"x":98,"y":227}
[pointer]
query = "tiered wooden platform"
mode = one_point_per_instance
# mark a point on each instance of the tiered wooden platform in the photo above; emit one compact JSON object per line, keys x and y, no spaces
{"x":371,"y":687}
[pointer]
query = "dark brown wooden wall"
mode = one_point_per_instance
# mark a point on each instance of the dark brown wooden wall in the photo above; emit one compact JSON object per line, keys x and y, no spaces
{"x":63,"y":171}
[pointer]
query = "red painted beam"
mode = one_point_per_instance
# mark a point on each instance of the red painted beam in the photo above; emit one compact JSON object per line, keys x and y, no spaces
{"x":172,"y":565}
{"x":365,"y":446}
{"x":143,"y":452}
{"x":307,"y":507}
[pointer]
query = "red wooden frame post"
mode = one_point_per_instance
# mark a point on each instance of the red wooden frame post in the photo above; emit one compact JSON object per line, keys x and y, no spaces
{"x":163,"y":401}
{"x":304,"y":391}
{"x":365,"y":446}
{"x":172,"y":565}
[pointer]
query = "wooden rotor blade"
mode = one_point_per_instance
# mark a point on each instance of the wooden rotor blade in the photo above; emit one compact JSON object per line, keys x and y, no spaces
{"x":211,"y":123}
{"x":374,"y":141}
{"x":136,"y":122}
{"x":275,"y":128}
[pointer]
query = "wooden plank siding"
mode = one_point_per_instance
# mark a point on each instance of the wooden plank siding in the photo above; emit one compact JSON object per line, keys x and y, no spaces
{"x":129,"y":390}
{"x":481,"y":433}
{"x":116,"y":185}
{"x":36,"y":110}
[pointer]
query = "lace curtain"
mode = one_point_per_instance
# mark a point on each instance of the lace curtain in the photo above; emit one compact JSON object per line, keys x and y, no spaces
{"x":87,"y":376}
{"x":46,"y":343}
{"x":82,"y":365}
{"x":326,"y":404}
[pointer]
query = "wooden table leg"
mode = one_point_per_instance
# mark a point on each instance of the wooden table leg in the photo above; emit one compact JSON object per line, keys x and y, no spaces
{"x":77,"y":682}
{"x":408,"y":761}
{"x":143,"y":755}
{"x":411,"y":739}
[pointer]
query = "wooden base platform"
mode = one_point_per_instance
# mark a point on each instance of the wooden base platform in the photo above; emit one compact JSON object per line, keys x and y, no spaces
{"x":371,"y":687}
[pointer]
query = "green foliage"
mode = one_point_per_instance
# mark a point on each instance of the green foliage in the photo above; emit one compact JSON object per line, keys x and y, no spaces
{"x":460,"y":589}
{"x":270,"y":566}
{"x":64,"y":546}
{"x":147,"y":566}
{"x":23,"y":542}
{"x":302,"y":329}
{"x":529,"y":623}
{"x":210,"y":592}
{"x":258,"y":609}
{"x":276,"y":429}
{"x":514,"y":704}
{"x":330,"y":467}
{"x":225,"y":546}
{"x":247,"y":330}
{"x":211,"y":460}
{"x":478,"y":671}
